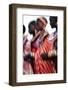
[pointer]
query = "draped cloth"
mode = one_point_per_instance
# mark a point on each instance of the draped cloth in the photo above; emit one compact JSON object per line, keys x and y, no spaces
{"x":27,"y":68}
{"x":44,"y":66}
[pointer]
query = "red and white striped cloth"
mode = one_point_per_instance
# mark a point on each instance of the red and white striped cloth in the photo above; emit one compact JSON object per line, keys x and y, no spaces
{"x":44,"y":66}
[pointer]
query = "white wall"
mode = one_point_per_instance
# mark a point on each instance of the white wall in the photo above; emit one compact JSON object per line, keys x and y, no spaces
{"x":4,"y":44}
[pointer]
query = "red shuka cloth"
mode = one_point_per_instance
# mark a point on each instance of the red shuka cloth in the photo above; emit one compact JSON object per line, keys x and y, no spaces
{"x":44,"y":66}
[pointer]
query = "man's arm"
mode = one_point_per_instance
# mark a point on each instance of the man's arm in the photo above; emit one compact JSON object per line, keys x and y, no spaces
{"x":51,"y":54}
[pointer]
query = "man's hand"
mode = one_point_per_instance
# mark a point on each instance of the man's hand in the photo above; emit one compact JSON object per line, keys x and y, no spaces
{"x":51,"y":54}
{"x":44,"y":56}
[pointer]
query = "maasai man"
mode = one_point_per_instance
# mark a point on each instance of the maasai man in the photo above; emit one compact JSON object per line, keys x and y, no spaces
{"x":44,"y":65}
{"x":33,"y":29}
{"x":27,"y":68}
